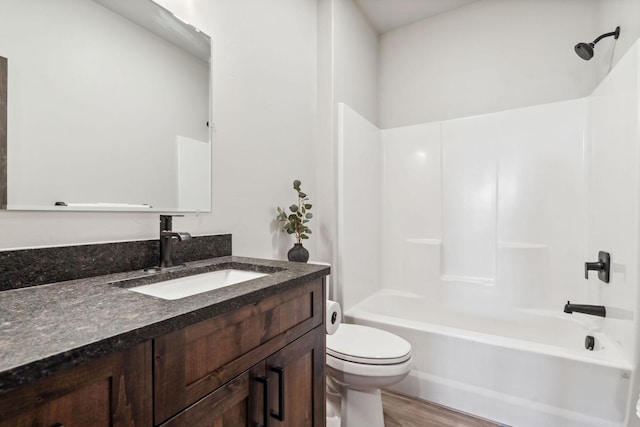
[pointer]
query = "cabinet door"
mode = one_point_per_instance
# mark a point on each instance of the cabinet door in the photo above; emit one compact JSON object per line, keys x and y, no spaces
{"x":297,"y":389}
{"x":238,"y":403}
{"x":114,"y":391}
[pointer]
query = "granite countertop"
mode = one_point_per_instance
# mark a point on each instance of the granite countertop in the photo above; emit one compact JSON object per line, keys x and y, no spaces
{"x":49,"y":328}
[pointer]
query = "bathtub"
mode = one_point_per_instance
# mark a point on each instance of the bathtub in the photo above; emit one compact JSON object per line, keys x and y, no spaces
{"x":524,"y":368}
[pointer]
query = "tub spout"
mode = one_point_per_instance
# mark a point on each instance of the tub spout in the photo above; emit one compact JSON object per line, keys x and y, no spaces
{"x":594,"y":310}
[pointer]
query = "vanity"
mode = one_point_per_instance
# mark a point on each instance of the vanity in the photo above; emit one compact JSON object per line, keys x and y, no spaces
{"x":91,"y":352}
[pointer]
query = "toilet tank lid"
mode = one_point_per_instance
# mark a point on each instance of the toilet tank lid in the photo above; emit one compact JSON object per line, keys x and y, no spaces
{"x":364,"y":342}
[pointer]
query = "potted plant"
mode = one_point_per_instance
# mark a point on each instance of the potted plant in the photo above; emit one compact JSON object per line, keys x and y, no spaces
{"x":296,"y":223}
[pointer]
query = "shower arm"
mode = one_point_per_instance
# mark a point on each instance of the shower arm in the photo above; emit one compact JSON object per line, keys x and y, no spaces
{"x":615,"y":35}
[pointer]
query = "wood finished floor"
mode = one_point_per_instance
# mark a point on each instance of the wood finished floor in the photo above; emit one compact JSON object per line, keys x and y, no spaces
{"x":403,"y":411}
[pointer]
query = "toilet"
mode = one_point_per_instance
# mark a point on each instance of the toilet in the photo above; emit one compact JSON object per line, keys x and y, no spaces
{"x":360,"y":361}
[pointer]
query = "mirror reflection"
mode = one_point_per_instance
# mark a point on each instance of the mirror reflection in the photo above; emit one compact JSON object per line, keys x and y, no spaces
{"x":108,"y":107}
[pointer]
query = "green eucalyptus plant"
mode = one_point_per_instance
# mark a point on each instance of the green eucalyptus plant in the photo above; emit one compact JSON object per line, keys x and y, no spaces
{"x":296,"y":222}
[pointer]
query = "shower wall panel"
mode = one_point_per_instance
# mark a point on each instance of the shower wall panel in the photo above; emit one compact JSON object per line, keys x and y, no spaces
{"x":613,"y":191}
{"x":469,"y":197}
{"x":412,"y":191}
{"x":359,"y":208}
{"x":495,"y":201}
{"x":541,"y":203}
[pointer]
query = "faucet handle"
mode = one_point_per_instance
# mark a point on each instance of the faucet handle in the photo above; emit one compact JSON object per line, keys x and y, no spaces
{"x":594,"y":266}
{"x":602,"y":266}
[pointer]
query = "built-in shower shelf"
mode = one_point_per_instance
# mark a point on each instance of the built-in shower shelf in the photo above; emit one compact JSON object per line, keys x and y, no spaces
{"x":486,"y":281}
{"x":425,"y":241}
{"x":520,"y":245}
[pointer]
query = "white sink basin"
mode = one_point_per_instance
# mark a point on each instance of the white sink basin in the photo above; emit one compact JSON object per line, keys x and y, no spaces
{"x":196,"y":284}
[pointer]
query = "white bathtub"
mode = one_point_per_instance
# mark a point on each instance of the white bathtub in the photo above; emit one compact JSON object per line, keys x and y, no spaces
{"x":523,"y":368}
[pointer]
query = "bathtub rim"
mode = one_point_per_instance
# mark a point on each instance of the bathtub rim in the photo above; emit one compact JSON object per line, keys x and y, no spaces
{"x":611,"y":357}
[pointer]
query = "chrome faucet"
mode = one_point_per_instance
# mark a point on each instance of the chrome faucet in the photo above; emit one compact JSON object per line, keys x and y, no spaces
{"x":166,"y":240}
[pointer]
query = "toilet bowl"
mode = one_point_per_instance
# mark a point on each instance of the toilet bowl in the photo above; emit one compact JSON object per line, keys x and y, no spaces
{"x":360,"y":361}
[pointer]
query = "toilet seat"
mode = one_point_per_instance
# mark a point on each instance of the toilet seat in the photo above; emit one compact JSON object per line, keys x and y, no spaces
{"x":366,"y":345}
{"x":369,"y":370}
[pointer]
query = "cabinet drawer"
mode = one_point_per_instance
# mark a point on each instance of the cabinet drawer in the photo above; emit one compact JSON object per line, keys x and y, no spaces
{"x":194,"y":361}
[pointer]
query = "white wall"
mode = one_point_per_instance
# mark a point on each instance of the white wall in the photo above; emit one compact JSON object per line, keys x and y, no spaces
{"x":609,"y":15}
{"x":488,"y":56}
{"x":326,"y":171}
{"x":264,"y":110}
{"x":356,"y":60}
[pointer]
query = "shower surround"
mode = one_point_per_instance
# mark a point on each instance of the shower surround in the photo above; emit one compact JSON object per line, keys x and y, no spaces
{"x":479,"y":228}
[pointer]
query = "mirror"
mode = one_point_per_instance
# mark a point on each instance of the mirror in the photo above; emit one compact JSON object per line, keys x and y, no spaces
{"x":107,"y":107}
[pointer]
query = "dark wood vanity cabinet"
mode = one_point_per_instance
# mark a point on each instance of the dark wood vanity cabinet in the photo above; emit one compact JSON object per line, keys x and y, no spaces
{"x":260,"y":364}
{"x":114,"y":391}
{"x":218,"y":371}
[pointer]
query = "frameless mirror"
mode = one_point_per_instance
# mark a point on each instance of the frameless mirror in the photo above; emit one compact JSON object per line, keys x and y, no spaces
{"x":107,"y":107}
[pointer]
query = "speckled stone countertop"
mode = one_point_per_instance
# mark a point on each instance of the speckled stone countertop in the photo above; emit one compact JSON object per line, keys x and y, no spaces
{"x":49,"y":328}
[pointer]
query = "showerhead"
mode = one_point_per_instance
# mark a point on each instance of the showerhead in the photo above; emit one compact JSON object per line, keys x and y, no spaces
{"x":585,"y":50}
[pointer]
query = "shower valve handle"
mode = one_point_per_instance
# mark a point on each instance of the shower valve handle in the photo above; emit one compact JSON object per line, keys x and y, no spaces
{"x":602,"y":266}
